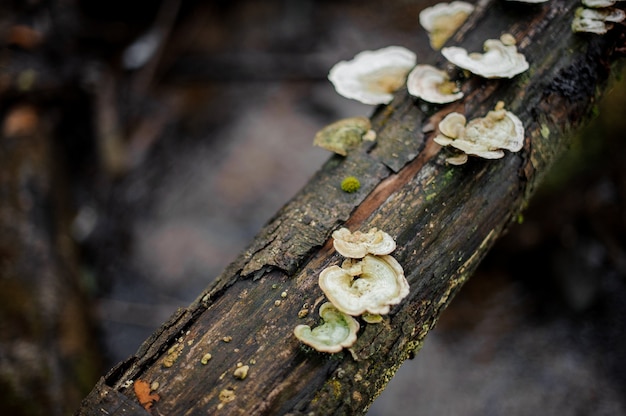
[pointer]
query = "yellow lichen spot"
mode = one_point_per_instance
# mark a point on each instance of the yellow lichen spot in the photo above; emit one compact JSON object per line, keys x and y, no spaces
{"x":277,"y":302}
{"x":172,"y":355}
{"x":283,"y":295}
{"x":350,"y":184}
{"x":154,"y":385}
{"x":303,"y":313}
{"x":241,"y":371}
{"x":227,"y":338}
{"x":226,"y":396}
{"x":205,"y":358}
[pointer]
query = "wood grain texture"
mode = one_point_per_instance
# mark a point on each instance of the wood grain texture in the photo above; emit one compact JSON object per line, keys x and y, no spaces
{"x":444,"y":219}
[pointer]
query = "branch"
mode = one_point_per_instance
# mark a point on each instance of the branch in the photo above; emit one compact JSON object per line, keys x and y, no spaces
{"x":444,"y":218}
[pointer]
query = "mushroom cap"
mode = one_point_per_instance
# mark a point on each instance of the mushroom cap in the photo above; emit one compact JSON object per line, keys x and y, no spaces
{"x":372,"y":77}
{"x":338,"y":330}
{"x":432,"y":85}
{"x":443,"y":19}
{"x":380,"y":284}
{"x":343,"y":135}
{"x":453,"y":125}
{"x":483,"y":137}
{"x":356,"y":245}
{"x":498,"y":61}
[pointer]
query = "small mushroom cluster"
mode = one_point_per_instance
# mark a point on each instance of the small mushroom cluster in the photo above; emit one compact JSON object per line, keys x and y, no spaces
{"x":484,"y":137}
{"x":368,"y":283}
{"x":597,"y":16}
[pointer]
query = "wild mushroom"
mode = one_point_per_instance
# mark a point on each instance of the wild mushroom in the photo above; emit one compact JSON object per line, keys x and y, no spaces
{"x":372,"y":284}
{"x":372,"y":77}
{"x":338,"y":331}
{"x":443,"y":19}
{"x":432,"y":85}
{"x":598,"y":21}
{"x":343,"y":135}
{"x":483,"y":137}
{"x":500,"y":60}
{"x":356,"y":245}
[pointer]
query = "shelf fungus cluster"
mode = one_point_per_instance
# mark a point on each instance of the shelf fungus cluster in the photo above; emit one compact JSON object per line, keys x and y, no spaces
{"x":500,"y":59}
{"x":598,"y":19}
{"x":372,"y":77}
{"x":366,"y":284}
{"x":484,"y":137}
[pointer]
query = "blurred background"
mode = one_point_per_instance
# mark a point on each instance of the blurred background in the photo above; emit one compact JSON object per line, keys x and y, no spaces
{"x":144,"y":145}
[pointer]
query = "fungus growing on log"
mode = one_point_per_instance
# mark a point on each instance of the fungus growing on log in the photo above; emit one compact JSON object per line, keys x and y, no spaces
{"x":344,"y":135}
{"x":598,"y":3}
{"x":337,"y":332}
{"x":432,"y":85}
{"x":443,"y":19}
{"x":500,"y":60}
{"x":372,"y":284}
{"x":598,"y":21}
{"x":372,"y":77}
{"x":358,"y":244}
{"x":484,"y":137}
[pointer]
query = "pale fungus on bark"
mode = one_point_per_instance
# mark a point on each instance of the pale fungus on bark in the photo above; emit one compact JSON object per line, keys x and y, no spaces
{"x":372,"y":77}
{"x":344,"y":135}
{"x":372,"y":284}
{"x":484,"y":137}
{"x":443,"y":19}
{"x":598,"y":3}
{"x":337,"y":332}
{"x":432,"y":85}
{"x":356,"y":245}
{"x":500,"y":60}
{"x":598,"y":21}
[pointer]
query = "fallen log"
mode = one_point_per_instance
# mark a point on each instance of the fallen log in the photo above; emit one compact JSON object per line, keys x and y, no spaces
{"x":444,"y":219}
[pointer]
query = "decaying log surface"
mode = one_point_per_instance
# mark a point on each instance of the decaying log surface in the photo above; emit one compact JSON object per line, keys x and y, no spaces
{"x":444,"y":219}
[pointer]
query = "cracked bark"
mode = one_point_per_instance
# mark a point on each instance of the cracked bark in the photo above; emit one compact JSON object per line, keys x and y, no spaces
{"x":444,"y":219}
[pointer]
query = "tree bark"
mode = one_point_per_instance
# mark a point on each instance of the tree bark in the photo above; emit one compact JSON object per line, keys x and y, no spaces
{"x":444,"y":219}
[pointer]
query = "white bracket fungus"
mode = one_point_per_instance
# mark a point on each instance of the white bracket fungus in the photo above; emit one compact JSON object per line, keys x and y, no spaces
{"x":443,"y":19}
{"x":372,"y":284}
{"x":432,"y":85}
{"x":598,"y":21}
{"x":358,"y":244}
{"x":372,"y":77}
{"x":500,"y":60}
{"x":344,"y":135}
{"x":483,"y":137}
{"x":338,"y":331}
{"x":594,"y":4}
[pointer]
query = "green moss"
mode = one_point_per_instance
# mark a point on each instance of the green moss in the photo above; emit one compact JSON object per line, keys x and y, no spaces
{"x":350,"y":184}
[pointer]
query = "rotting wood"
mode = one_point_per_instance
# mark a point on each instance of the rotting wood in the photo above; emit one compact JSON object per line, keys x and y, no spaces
{"x":444,"y":218}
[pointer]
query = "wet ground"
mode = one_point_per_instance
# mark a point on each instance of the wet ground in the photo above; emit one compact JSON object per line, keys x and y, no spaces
{"x":540,"y":329}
